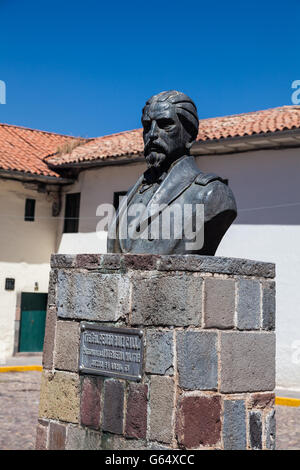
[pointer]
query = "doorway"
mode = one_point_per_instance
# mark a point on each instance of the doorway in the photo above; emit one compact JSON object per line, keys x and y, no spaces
{"x":32,"y":324}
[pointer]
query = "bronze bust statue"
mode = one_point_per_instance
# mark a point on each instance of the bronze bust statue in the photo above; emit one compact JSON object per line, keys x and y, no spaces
{"x":173,"y":208}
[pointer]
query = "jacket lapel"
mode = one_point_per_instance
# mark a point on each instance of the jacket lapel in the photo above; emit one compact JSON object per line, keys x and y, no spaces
{"x":180,"y":177}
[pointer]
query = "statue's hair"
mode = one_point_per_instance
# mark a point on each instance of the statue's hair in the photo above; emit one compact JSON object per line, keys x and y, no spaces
{"x":185,"y":109}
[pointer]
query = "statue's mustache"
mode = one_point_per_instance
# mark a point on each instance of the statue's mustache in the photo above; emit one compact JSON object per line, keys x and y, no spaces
{"x":154,"y":147}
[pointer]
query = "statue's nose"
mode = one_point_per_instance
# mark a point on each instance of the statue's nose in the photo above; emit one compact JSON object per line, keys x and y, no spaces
{"x":153,"y":131}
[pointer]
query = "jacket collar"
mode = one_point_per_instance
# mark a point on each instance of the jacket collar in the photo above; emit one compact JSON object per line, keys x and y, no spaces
{"x":180,"y":176}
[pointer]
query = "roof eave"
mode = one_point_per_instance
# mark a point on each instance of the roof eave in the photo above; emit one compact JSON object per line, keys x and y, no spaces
{"x":32,"y":177}
{"x":116,"y":160}
{"x":279,"y":139}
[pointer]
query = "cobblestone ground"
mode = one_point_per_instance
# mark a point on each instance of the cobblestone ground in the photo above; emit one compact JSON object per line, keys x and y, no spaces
{"x":19,"y":399}
{"x":288,"y":428}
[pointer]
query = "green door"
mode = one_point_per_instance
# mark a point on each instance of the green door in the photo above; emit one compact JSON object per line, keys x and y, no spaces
{"x":32,"y":325}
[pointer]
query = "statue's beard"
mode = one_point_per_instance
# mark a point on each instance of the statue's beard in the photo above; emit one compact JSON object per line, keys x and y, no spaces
{"x":155,"y":159}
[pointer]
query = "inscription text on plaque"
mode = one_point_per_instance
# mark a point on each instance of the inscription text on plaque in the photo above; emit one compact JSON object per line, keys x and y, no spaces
{"x":111,"y":351}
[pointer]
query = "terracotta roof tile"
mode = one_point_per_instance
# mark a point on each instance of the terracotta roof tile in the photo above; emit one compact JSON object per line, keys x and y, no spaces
{"x":32,"y":151}
{"x":24,"y":150}
{"x":130,"y":143}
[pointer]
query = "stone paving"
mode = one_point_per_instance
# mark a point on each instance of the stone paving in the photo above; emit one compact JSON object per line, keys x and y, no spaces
{"x":288,"y":428}
{"x":19,"y":399}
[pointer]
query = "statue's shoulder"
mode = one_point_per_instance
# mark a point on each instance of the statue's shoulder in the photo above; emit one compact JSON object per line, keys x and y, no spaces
{"x":205,"y":178}
{"x":214,"y":192}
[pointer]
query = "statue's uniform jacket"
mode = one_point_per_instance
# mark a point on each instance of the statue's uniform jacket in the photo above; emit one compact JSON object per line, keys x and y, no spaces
{"x":183,"y":184}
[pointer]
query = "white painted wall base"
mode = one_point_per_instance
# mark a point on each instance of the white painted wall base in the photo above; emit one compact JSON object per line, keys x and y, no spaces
{"x":25,"y":249}
{"x":25,"y":276}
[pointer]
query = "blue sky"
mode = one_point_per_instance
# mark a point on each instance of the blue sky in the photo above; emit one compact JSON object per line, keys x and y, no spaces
{"x":87,"y":67}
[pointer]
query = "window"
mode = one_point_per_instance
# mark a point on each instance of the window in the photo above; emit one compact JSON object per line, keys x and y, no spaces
{"x":72,"y":213}
{"x":117,"y":196}
{"x":9,"y":283}
{"x":29,"y":210}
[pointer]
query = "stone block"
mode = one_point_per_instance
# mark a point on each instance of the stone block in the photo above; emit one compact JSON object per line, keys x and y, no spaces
{"x":156,"y":446}
{"x":159,"y":352}
{"x":188,"y":263}
{"x":255,"y":430}
{"x":49,"y":338}
{"x":140,"y":262}
{"x":76,"y":438}
{"x":162,"y":391}
{"x":52,"y":287}
{"x":42,"y":435}
{"x":262,"y":400}
{"x":113,"y":408}
{"x":115,"y":442}
{"x":219,"y":303}
{"x":82,"y":439}
{"x":199,"y":421}
{"x":197,"y":360}
{"x":62,"y":261}
{"x":136,"y":417}
{"x":112,"y":262}
{"x":268,"y":305}
{"x":247,"y":361}
{"x":270,"y":430}
{"x":90,"y":405}
{"x":88,"y":261}
{"x":167,"y":300}
{"x":59,"y":398}
{"x":215,"y":264}
{"x":234,"y":425}
{"x":57,"y":436}
{"x":248,"y":304}
{"x":76,"y":295}
{"x":67,"y":346}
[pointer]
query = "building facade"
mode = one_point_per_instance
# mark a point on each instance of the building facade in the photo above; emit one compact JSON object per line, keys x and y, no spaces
{"x":29,"y":206}
{"x":259,"y":155}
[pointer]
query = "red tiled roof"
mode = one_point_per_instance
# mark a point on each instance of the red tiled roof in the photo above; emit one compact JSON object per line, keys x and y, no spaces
{"x":23,"y":149}
{"x":256,"y":122}
{"x":31,"y":151}
{"x":100,"y":148}
{"x":131,"y":142}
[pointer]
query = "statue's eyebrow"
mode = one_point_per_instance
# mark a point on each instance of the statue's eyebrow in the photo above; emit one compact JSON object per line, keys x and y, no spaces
{"x":165,"y":119}
{"x":145,"y":115}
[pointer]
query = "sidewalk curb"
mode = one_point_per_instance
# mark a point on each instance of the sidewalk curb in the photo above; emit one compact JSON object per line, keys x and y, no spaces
{"x":284,"y":401}
{"x":20,"y":368}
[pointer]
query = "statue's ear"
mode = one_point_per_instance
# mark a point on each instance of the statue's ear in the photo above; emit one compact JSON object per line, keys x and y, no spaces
{"x":188,"y":146}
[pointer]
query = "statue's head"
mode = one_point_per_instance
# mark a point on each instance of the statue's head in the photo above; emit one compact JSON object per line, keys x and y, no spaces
{"x":170,"y":123}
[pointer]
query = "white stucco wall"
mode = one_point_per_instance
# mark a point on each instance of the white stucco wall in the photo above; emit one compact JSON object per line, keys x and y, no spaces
{"x":259,"y":180}
{"x":97,"y":186}
{"x":25,"y":249}
{"x":265,"y":179}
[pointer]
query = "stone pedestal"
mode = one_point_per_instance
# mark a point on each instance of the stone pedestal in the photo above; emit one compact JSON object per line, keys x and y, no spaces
{"x":209,"y":354}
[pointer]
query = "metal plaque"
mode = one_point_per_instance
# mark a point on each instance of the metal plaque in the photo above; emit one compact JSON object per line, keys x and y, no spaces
{"x":110,"y":351}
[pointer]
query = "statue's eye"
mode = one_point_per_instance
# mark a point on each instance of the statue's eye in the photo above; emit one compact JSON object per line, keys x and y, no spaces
{"x":165,"y":123}
{"x":146,"y":126}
